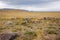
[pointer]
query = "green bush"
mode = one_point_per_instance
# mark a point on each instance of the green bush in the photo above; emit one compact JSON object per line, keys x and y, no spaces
{"x":14,"y":30}
{"x":17,"y":23}
{"x":52,"y":32}
{"x":2,"y":28}
{"x":30,"y":33}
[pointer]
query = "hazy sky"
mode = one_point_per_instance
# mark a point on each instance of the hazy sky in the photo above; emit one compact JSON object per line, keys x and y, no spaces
{"x":31,"y":5}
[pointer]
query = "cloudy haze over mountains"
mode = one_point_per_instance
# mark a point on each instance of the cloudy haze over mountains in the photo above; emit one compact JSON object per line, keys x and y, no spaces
{"x":31,"y":5}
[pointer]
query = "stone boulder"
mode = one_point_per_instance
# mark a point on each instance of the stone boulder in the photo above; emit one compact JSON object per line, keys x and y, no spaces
{"x":8,"y":36}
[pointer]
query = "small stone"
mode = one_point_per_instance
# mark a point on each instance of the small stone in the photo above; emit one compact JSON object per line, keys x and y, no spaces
{"x":10,"y":23}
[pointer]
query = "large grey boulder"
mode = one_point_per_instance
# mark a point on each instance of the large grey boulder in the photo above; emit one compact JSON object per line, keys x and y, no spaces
{"x":8,"y":36}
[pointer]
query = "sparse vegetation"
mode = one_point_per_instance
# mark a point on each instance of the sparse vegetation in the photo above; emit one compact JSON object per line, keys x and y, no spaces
{"x":30,"y":28}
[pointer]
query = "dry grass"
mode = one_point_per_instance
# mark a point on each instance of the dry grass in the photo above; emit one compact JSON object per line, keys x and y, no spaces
{"x":19,"y":13}
{"x":40,"y":26}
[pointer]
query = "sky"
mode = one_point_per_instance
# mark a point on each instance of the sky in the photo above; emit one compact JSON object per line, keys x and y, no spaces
{"x":31,"y":5}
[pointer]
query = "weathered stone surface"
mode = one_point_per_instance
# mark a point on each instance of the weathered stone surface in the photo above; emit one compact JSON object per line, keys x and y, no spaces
{"x":8,"y":36}
{"x":51,"y":37}
{"x":9,"y":23}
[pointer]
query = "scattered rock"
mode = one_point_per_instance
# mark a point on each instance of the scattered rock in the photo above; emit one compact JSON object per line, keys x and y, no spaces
{"x":27,"y":19}
{"x":50,"y":37}
{"x":10,"y":23}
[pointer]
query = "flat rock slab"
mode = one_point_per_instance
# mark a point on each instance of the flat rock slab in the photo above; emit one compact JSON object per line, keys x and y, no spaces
{"x":8,"y":36}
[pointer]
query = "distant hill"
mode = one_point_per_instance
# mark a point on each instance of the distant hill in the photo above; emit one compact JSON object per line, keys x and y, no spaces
{"x":4,"y":9}
{"x":24,"y":13}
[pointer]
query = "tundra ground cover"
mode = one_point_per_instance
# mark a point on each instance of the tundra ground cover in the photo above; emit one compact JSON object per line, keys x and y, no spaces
{"x":47,"y":28}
